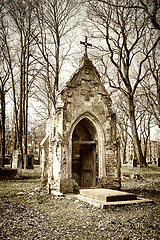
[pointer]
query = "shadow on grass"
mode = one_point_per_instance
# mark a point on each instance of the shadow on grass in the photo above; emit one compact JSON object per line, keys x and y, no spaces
{"x":144,"y":191}
{"x":30,"y":177}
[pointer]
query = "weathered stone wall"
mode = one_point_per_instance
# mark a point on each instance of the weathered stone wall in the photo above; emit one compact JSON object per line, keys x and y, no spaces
{"x":83,"y":97}
{"x":44,"y":160}
{"x":50,"y":126}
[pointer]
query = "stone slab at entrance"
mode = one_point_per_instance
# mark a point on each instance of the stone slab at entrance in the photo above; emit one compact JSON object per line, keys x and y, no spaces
{"x":108,"y":195}
{"x":103,"y":198}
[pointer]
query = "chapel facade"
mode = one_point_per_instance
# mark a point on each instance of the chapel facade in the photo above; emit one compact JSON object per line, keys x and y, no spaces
{"x":80,"y":149}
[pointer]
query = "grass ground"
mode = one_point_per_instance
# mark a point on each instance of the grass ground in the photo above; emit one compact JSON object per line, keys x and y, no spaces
{"x":148,"y":184}
{"x":68,"y":218}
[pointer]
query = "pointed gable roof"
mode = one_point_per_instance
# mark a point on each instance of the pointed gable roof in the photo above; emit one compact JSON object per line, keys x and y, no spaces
{"x":85,"y":63}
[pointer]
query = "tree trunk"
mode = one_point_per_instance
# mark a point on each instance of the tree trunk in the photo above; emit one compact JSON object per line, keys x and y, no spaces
{"x":124,"y":153}
{"x":57,"y":58}
{"x":0,"y":145}
{"x":136,"y":141}
{"x":16,"y":142}
{"x":2,"y":126}
{"x":20,"y":139}
{"x":26,"y":100}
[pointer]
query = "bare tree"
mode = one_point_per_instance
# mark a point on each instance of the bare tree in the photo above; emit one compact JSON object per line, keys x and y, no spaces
{"x":128,"y":46}
{"x":144,"y":119}
{"x":35,"y":33}
{"x":56,"y":22}
{"x":150,"y":7}
{"x":3,"y":91}
{"x":152,"y":10}
{"x":151,"y":86}
{"x":4,"y":86}
{"x":18,"y":42}
{"x":123,"y":126}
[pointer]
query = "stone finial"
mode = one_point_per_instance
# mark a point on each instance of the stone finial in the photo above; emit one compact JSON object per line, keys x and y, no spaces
{"x":85,"y":62}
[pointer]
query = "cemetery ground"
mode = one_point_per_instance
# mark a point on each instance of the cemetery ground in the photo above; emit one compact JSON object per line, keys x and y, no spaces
{"x":26,"y":212}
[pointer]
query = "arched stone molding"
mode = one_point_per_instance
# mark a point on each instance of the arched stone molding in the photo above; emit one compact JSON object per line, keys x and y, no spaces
{"x":100,"y":142}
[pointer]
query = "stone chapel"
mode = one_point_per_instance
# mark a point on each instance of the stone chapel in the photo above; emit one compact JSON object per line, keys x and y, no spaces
{"x":80,"y":149}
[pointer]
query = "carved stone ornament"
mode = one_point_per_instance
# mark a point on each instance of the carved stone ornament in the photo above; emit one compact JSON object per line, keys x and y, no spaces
{"x":87,"y":91}
{"x":68,"y":92}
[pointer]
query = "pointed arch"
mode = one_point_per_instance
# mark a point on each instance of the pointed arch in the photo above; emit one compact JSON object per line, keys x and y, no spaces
{"x":100,"y":139}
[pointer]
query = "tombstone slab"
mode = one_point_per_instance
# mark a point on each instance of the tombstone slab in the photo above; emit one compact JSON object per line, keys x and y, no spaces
{"x":96,"y":198}
{"x":135,"y":162}
{"x":29,"y":161}
{"x":108,"y":195}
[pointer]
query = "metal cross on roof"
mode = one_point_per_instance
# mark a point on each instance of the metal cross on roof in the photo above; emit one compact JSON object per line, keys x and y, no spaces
{"x":86,"y":44}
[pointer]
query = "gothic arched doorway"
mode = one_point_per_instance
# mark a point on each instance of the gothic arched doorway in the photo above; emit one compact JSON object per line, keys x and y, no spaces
{"x":84,"y":154}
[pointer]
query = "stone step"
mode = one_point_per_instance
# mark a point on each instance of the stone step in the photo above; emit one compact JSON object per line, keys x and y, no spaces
{"x":108,"y":195}
{"x":105,"y":205}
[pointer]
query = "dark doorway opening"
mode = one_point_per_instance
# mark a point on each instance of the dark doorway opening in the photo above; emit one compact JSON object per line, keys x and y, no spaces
{"x":84,"y":157}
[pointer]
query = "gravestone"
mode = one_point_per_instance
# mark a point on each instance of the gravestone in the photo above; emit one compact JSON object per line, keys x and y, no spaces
{"x":135,"y":162}
{"x":29,"y":162}
{"x":158,"y":162}
{"x":17,"y":162}
{"x":80,"y":149}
